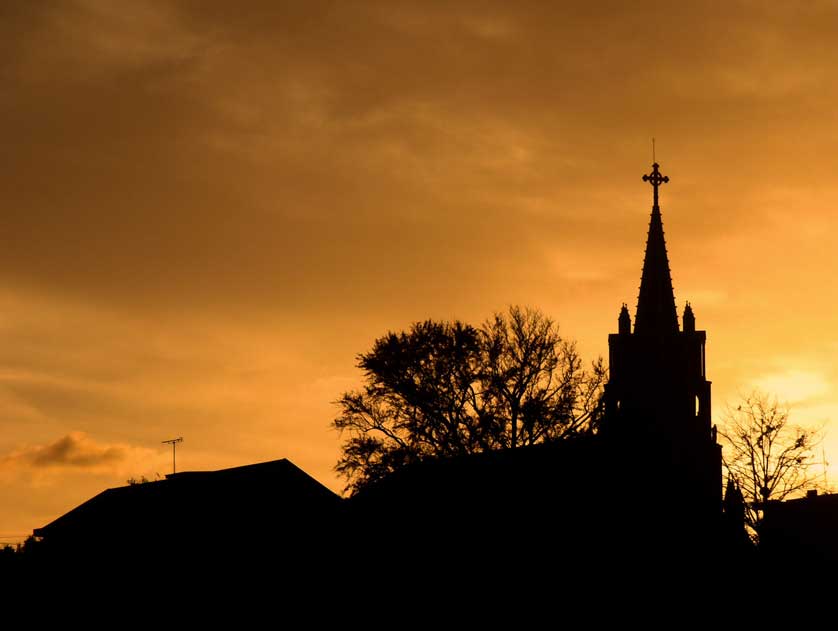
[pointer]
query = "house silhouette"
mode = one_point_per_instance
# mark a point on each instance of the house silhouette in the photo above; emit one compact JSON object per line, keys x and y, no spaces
{"x":191,"y":514}
{"x":801,"y":532}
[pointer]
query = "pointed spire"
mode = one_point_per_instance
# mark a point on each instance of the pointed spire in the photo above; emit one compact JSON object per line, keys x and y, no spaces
{"x":656,"y":302}
{"x":688,"y":319}
{"x":734,"y":502}
{"x":624,"y":321}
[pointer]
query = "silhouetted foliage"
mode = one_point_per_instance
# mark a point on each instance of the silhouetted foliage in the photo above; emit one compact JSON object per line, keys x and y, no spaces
{"x":448,"y":388}
{"x":7,"y":554}
{"x":768,"y":457}
{"x":20,"y":557}
{"x":141,"y":480}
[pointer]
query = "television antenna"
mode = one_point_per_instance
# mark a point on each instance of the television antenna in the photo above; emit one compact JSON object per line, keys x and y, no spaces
{"x":173,"y":442}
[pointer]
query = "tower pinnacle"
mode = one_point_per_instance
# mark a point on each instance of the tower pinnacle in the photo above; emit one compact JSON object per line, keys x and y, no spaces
{"x":656,"y":302}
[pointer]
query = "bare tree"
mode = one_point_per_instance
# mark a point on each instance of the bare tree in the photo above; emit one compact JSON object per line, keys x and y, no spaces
{"x":767,"y":457}
{"x":534,"y":381}
{"x":444,"y":389}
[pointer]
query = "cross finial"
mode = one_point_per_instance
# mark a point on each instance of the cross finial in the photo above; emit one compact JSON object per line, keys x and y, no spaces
{"x":656,"y":179}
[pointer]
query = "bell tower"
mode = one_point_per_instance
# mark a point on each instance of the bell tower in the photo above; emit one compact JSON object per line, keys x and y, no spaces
{"x":657,"y":400}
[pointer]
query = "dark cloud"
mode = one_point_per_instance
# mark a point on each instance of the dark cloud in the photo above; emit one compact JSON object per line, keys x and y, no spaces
{"x":75,"y":449}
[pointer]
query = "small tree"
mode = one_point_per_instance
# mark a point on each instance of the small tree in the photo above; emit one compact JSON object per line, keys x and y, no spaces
{"x":768,"y":457}
{"x":444,"y":389}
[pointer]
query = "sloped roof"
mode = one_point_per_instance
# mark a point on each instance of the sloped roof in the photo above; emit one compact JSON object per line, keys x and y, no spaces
{"x":252,"y":494}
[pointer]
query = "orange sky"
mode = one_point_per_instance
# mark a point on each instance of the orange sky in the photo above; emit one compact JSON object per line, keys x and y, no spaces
{"x":209,"y":208}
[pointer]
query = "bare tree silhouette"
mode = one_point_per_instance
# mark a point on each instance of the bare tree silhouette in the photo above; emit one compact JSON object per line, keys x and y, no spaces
{"x":768,"y":457}
{"x":534,"y":381}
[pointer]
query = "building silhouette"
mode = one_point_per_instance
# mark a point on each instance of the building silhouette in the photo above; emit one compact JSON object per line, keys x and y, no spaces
{"x":266,"y":509}
{"x":657,"y":400}
{"x":801,"y":532}
{"x":645,"y":489}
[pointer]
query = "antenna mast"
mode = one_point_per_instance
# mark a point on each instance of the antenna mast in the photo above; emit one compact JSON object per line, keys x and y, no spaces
{"x":173,"y":442}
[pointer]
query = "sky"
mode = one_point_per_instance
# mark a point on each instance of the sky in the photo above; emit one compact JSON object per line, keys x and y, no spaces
{"x":209,"y":209}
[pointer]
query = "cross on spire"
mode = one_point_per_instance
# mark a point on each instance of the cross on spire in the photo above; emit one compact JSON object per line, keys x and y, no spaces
{"x":656,"y":179}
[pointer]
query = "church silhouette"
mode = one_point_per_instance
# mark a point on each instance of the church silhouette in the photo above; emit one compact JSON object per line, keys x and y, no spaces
{"x":646,"y":489}
{"x":658,"y":394}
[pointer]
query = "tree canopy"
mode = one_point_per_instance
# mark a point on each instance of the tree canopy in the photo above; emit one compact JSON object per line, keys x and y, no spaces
{"x":449,"y":388}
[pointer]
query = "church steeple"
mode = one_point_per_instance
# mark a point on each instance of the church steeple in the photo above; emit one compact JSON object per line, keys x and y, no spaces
{"x":657,"y":399}
{"x":656,"y":303}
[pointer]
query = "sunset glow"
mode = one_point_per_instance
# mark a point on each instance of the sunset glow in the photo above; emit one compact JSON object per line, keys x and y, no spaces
{"x":210,"y":209}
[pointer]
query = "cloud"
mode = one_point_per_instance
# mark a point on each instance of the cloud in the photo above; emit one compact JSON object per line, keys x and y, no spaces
{"x":75,"y":450}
